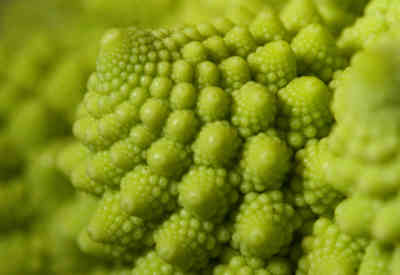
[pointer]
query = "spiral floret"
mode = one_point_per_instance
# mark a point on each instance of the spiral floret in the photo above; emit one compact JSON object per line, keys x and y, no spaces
{"x":316,"y":52}
{"x":309,"y":184}
{"x":329,"y":251}
{"x":186,"y":241}
{"x":263,"y":225}
{"x":304,"y":110}
{"x":238,"y":264}
{"x":265,"y":163}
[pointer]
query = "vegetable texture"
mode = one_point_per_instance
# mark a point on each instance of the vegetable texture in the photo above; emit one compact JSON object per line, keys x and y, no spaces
{"x":189,"y":137}
{"x":219,"y":138}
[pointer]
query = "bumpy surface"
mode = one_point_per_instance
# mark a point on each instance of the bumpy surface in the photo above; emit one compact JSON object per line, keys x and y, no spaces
{"x":178,"y":122}
{"x":316,"y":51}
{"x":186,"y":241}
{"x":371,"y":146}
{"x":304,"y":108}
{"x":380,"y":16}
{"x":208,"y":193}
{"x":328,"y":251}
{"x":236,"y":264}
{"x":151,"y":263}
{"x":263,"y":142}
{"x":265,"y":163}
{"x":376,"y":260}
{"x":309,"y":185}
{"x":263,"y":225}
{"x":218,"y":134}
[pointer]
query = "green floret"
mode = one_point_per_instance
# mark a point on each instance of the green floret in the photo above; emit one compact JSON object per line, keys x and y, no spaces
{"x":235,"y":73}
{"x":183,"y":96}
{"x":105,"y":252}
{"x":111,"y":225}
{"x":273,"y":65}
{"x":338,"y":14}
{"x":371,"y":146}
{"x":102,"y":133}
{"x":216,"y":48}
{"x":208,"y":193}
{"x":298,"y":14}
{"x":161,"y":86}
{"x":130,"y":151}
{"x":101,"y":169}
{"x":194,"y":53}
{"x":316,"y":52}
{"x":356,"y":215}
{"x":304,"y":110}
{"x":186,"y":241}
{"x":217,"y":145}
{"x":369,"y":84}
{"x":380,"y":17}
{"x":182,"y":72}
{"x":222,"y":24}
{"x":240,"y":41}
{"x":310,"y":185}
{"x":213,"y":104}
{"x":151,"y":263}
{"x":263,"y":225}
{"x":365,"y":138}
{"x":81,"y":181}
{"x":238,"y":265}
{"x":363,"y":33}
{"x":72,"y":154}
{"x":207,"y":74}
{"x":265,"y":163}
{"x":329,"y":251}
{"x":147,"y":195}
{"x":168,"y":158}
{"x":182,"y":126}
{"x":254,"y":109}
{"x":376,"y":260}
{"x":267,"y":27}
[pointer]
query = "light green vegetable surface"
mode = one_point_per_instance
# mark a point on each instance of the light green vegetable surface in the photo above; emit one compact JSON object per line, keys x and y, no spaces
{"x":224,"y":137}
